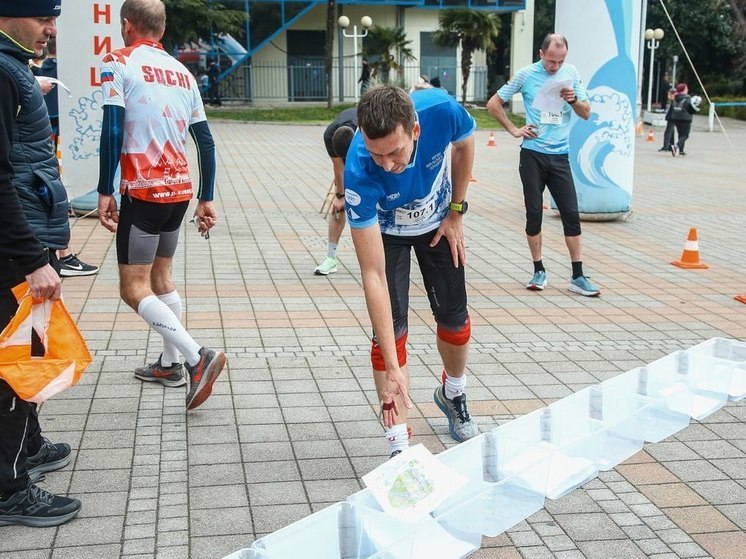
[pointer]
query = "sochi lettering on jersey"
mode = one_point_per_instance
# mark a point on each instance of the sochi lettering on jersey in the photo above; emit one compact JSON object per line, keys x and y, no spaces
{"x":161,"y":100}
{"x":553,"y":129}
{"x":415,"y":201}
{"x":165,"y":77}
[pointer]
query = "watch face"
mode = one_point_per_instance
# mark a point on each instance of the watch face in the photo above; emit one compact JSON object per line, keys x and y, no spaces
{"x":464,"y":206}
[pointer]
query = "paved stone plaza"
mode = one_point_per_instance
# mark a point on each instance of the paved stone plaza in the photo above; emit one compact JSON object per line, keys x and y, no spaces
{"x":291,"y":426}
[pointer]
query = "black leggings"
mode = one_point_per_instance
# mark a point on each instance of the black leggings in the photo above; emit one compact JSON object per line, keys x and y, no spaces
{"x":445,"y":285}
{"x":538,"y":170}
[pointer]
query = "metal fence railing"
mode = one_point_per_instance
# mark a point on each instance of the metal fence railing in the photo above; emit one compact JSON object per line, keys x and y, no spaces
{"x":271,"y":82}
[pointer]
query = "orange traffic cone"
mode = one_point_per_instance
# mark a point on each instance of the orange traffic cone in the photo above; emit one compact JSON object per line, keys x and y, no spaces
{"x":491,"y":141}
{"x":690,"y":256}
{"x":741,"y":298}
{"x":639,"y":129}
{"x":650,"y":137}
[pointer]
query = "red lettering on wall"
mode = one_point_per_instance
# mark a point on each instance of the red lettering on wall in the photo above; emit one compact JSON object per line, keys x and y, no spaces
{"x":104,"y":13}
{"x":95,"y":81}
{"x":101,"y":44}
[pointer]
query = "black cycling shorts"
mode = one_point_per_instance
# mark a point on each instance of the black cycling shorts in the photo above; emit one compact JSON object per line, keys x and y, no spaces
{"x":147,"y":230}
{"x":445,"y":285}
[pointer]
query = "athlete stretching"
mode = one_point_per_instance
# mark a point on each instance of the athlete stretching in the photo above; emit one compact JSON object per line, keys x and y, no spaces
{"x":151,"y":102}
{"x":405,"y":180}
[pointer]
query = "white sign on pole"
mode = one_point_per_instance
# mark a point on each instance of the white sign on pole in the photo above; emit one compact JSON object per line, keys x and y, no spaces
{"x":86,"y":31}
{"x":604,"y":40}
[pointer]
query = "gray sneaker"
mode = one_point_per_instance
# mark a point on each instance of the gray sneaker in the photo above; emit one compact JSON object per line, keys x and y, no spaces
{"x":460,"y":424}
{"x":203,"y":375}
{"x":167,"y":376}
{"x":38,"y":508}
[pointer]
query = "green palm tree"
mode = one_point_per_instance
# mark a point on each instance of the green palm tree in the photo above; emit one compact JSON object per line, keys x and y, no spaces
{"x":473,"y":30}
{"x":383,"y":47}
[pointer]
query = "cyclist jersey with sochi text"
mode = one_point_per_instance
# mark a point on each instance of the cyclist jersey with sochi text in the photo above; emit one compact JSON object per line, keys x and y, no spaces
{"x":553,"y":128}
{"x":416,"y":200}
{"x":161,"y":100}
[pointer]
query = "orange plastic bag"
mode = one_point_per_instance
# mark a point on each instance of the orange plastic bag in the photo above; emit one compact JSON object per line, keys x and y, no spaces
{"x":41,"y":350}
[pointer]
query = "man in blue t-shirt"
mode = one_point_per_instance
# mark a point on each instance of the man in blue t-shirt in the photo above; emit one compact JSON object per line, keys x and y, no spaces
{"x":406,"y":176}
{"x":552,"y":92}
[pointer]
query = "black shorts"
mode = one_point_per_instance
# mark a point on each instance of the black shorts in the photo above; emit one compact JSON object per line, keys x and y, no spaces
{"x":538,"y":170}
{"x":445,"y":285}
{"x":147,"y":230}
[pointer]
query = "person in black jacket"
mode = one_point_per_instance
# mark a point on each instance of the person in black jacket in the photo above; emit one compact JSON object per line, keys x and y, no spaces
{"x":682,"y":109}
{"x":35,"y":225}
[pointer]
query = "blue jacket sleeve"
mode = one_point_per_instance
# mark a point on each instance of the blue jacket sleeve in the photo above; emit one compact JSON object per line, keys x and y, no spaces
{"x":202,"y":136}
{"x":110,"y":147}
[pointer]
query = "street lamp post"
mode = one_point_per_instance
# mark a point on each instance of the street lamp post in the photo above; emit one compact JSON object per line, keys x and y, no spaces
{"x":653,"y":37}
{"x":344,"y":23}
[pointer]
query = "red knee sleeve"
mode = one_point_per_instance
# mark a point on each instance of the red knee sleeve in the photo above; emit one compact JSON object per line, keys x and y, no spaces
{"x":376,"y":355}
{"x":456,"y":337}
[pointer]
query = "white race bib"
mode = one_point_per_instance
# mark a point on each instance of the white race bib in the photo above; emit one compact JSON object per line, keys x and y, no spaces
{"x":551,"y":117}
{"x":417,"y":215}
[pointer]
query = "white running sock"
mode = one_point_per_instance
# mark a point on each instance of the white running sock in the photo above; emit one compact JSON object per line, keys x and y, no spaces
{"x":331,"y":250}
{"x":455,"y":386}
{"x":170,"y":351}
{"x":157,"y":314}
{"x":398,"y":437}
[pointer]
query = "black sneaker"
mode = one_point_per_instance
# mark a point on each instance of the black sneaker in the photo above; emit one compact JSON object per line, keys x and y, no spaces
{"x":203,"y":375}
{"x":167,"y":376}
{"x":50,"y":457}
{"x":71,"y":265}
{"x":38,"y":508}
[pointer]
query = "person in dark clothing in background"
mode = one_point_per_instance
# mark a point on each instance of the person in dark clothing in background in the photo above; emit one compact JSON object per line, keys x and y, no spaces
{"x":213,"y":90}
{"x":682,"y":109}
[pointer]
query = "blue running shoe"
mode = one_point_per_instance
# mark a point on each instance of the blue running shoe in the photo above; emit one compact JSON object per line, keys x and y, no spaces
{"x":538,"y":281}
{"x":584,"y":287}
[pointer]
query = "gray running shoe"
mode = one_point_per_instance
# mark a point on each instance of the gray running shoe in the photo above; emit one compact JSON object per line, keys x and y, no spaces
{"x":38,"y":508}
{"x":50,"y":457}
{"x":460,"y":424}
{"x":167,"y":376}
{"x":203,"y":375}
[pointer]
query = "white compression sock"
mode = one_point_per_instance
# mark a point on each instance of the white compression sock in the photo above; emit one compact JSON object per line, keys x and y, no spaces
{"x":455,"y":386}
{"x":157,"y":314}
{"x":331,"y":249}
{"x":398,"y":437}
{"x":170,"y":351}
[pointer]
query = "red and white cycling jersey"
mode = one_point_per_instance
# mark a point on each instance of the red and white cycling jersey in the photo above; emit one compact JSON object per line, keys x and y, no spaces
{"x":161,"y":100}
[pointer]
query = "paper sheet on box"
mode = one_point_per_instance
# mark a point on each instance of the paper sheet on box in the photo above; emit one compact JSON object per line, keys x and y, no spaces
{"x":413,"y":483}
{"x":548,"y":97}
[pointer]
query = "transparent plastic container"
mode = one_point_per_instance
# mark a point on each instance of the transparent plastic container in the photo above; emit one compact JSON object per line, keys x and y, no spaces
{"x":729,"y":350}
{"x":247,"y":553}
{"x":689,"y":383}
{"x":624,"y":416}
{"x":569,"y":448}
{"x":348,"y":531}
{"x":501,"y":493}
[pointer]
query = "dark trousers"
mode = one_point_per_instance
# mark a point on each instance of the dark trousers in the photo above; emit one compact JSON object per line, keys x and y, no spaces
{"x":668,"y":135}
{"x":20,"y":432}
{"x":213,"y":94}
{"x":682,"y":130}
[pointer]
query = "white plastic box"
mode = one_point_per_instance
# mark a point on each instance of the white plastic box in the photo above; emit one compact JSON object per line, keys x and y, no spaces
{"x":501,"y":491}
{"x":689,"y":383}
{"x":348,"y":531}
{"x":569,"y":446}
{"x":729,"y":350}
{"x":626,"y":417}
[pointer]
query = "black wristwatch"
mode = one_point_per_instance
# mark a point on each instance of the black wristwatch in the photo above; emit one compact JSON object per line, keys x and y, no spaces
{"x":460,"y":207}
{"x":339,"y":195}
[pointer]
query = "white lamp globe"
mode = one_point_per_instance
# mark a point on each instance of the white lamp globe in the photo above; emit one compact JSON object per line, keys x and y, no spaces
{"x":343,"y":22}
{"x":366,"y":21}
